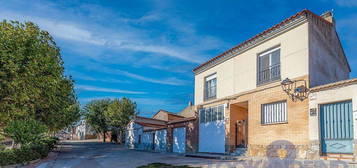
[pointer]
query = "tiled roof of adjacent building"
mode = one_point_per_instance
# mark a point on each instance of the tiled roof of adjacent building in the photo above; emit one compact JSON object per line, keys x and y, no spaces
{"x":182,"y":120}
{"x":334,"y":85}
{"x":146,"y":118}
{"x":259,"y":37}
{"x":170,"y":113}
{"x":150,"y":124}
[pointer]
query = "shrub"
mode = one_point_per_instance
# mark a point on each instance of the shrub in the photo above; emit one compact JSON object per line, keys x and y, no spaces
{"x":25,"y":131}
{"x":28,"y":152}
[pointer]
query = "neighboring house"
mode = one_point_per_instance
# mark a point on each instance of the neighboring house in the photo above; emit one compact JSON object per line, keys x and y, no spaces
{"x":242,"y":103}
{"x":164,"y":132}
{"x":189,"y":111}
{"x":166,"y":116}
{"x":135,"y":136}
{"x":83,"y":131}
{"x":332,"y":119}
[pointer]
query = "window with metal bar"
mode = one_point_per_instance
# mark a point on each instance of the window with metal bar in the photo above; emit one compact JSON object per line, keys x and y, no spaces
{"x":273,"y":113}
{"x":269,"y":66}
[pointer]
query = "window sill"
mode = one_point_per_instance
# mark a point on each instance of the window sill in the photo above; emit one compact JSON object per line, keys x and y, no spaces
{"x":280,"y":123}
{"x":209,"y":99}
{"x":269,"y":82}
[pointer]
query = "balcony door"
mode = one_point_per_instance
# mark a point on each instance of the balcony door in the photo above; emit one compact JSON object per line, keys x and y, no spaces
{"x":269,"y":66}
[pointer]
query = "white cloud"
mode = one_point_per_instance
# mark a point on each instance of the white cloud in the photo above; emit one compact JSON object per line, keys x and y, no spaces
{"x":347,"y":3}
{"x":100,"y":89}
{"x":78,"y":75}
{"x":168,"y":81}
{"x":116,"y":71}
{"x":122,"y":39}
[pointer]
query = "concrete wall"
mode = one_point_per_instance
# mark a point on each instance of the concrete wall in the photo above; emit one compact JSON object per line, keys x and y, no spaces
{"x":239,"y":74}
{"x":327,"y":63}
{"x":329,"y":96}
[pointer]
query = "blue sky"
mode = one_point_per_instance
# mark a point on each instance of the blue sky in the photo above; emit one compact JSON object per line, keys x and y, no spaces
{"x":146,"y":49}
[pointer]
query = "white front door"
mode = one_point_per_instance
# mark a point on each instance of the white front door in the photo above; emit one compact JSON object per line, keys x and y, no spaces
{"x":179,"y":140}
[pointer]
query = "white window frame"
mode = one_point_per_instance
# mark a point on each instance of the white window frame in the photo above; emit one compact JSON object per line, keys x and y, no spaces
{"x":269,"y":52}
{"x":274,"y":113}
{"x":206,"y":114}
{"x":259,"y":70}
{"x":205,"y":89}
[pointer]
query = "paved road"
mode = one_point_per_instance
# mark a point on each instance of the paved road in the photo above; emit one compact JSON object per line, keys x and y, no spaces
{"x":84,"y":154}
{"x":97,"y":154}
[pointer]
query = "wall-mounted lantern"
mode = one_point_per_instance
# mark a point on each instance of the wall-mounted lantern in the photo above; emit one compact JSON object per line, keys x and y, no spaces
{"x":295,"y":89}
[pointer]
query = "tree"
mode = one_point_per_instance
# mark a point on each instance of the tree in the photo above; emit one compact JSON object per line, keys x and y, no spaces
{"x":32,"y":80}
{"x":95,"y":115}
{"x":119,"y":114}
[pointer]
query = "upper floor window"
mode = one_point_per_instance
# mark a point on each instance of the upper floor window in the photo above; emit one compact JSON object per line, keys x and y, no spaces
{"x":210,"y":87}
{"x":269,"y":66}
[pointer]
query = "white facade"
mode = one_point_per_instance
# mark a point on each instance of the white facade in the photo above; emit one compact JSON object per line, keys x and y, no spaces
{"x":239,"y":74}
{"x":330,"y":96}
{"x":133,"y":133}
{"x":308,"y":47}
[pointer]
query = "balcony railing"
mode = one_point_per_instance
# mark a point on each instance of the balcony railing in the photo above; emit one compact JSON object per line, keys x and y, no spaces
{"x":269,"y":74}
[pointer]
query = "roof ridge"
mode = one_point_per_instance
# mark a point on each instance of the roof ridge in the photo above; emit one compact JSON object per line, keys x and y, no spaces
{"x":168,"y":113}
{"x":334,"y":85}
{"x":150,"y":118}
{"x":304,"y":11}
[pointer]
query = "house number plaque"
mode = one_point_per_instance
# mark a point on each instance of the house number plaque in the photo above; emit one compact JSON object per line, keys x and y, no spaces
{"x":313,"y":112}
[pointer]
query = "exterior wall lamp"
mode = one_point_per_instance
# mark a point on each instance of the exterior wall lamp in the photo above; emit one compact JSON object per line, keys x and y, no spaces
{"x":295,"y":89}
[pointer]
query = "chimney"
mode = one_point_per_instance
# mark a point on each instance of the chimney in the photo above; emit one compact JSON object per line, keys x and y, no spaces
{"x":189,"y":103}
{"x":328,"y":16}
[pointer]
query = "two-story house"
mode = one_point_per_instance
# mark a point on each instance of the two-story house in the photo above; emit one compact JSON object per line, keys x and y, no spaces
{"x":242,"y":101}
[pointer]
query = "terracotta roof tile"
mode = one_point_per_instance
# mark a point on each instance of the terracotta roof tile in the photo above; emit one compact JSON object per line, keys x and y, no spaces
{"x":150,"y":124}
{"x":334,"y":85}
{"x":305,"y":11}
{"x":150,"y":118}
{"x":182,"y":120}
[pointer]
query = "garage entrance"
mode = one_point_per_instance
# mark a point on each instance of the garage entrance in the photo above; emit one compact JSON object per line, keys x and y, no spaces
{"x":336,"y":127}
{"x":212,"y":130}
{"x":179,"y":140}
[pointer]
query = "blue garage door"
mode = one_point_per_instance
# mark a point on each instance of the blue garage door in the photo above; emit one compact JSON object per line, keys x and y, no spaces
{"x":179,"y":140}
{"x":212,"y":130}
{"x":336,"y":127}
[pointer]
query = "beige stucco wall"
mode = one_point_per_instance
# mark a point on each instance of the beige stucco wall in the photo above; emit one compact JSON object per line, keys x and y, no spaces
{"x":327,"y":63}
{"x":239,"y":74}
{"x":329,"y":96}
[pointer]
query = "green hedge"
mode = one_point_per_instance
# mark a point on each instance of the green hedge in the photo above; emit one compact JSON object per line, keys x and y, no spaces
{"x":27,"y":152}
